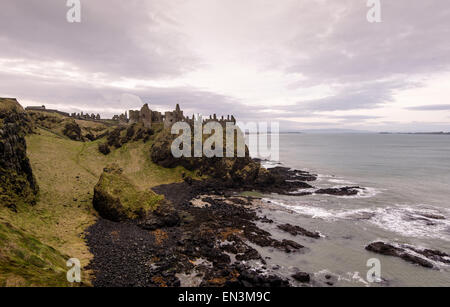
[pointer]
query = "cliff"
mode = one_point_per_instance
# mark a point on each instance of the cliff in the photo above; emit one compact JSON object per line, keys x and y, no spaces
{"x":17,"y":183}
{"x":237,"y":171}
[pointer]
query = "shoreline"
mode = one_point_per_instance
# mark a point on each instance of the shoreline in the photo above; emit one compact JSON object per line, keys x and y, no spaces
{"x":212,"y":240}
{"x":220,"y":239}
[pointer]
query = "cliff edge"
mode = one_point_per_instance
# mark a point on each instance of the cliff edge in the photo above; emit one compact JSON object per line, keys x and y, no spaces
{"x":17,"y":183}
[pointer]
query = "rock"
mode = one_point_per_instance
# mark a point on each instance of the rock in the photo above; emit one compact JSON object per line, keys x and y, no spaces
{"x":163,"y":216}
{"x":345,"y":191}
{"x":400,"y":252}
{"x":188,"y":180}
{"x":231,"y":171}
{"x":302,"y":277}
{"x":104,"y":149}
{"x":433,"y":216}
{"x":297,"y":230}
{"x":17,"y":182}
{"x":114,"y":138}
{"x":73,"y":131}
{"x":117,"y":199}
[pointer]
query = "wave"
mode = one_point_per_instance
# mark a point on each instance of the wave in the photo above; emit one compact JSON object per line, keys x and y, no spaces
{"x":419,"y":221}
{"x":414,"y":222}
{"x":366,"y":192}
{"x":341,"y":181}
{"x":270,"y":164}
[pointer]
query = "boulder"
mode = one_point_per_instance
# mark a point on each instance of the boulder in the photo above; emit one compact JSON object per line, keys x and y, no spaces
{"x":117,"y":199}
{"x":302,"y":277}
{"x":297,"y":230}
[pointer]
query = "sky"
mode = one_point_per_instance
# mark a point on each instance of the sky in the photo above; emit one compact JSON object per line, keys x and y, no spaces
{"x":309,"y":64}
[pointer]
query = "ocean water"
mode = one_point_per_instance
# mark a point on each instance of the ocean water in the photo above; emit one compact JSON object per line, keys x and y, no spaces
{"x":404,"y":176}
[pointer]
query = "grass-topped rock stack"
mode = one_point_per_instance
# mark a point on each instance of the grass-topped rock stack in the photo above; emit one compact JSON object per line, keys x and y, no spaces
{"x":17,"y":183}
{"x":232,"y":171}
{"x":117,"y":199}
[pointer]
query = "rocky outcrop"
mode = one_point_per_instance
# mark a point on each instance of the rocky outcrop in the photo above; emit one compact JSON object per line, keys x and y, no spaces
{"x":117,"y":199}
{"x":17,"y":183}
{"x":230,"y":170}
{"x":163,"y":216}
{"x":344,"y":191}
{"x":104,"y":149}
{"x":302,"y":277}
{"x":73,"y":131}
{"x":242,"y":172}
{"x":424,"y":257}
{"x":121,"y":135}
{"x":297,"y":230}
{"x":213,"y":244}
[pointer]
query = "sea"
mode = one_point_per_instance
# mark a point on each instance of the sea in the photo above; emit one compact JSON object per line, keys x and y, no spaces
{"x":404,"y":176}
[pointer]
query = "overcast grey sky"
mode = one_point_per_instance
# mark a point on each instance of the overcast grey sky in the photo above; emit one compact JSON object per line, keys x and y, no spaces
{"x":307,"y":63}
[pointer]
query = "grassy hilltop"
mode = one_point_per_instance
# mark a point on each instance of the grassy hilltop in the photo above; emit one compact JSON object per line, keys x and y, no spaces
{"x":37,"y":240}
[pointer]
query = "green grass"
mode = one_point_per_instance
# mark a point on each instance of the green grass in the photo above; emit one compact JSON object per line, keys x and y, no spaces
{"x":133,"y":201}
{"x":67,"y":172}
{"x":254,"y":194}
{"x":9,"y":104}
{"x":25,"y":261}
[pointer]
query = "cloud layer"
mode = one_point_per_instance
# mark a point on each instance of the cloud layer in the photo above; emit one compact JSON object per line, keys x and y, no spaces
{"x":306,"y":63}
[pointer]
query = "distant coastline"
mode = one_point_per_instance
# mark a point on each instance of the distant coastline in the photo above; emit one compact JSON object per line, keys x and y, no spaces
{"x":421,"y":133}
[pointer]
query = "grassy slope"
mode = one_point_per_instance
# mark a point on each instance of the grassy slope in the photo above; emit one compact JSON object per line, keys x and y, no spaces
{"x":8,"y":104}
{"x":67,"y":172}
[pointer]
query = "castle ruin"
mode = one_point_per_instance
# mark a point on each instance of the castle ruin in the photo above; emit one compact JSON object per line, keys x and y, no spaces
{"x":145,"y":116}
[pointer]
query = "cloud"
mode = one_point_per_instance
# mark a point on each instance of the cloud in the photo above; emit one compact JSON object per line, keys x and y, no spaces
{"x":117,"y":38}
{"x":434,"y":107}
{"x":297,"y":61}
{"x":347,"y":47}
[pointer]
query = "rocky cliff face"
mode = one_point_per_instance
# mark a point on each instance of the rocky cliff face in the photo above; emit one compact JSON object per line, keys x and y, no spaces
{"x":17,"y":183}
{"x":232,"y":171}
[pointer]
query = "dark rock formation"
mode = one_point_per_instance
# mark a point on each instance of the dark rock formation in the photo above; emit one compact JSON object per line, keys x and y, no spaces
{"x":163,"y":216}
{"x":104,"y":149}
{"x":302,"y":277}
{"x":238,"y":172}
{"x":410,"y":254}
{"x":114,"y":138}
{"x":122,"y":135}
{"x":17,"y":183}
{"x":230,"y":170}
{"x":344,"y":191}
{"x":214,"y":223}
{"x":73,"y":131}
{"x":297,"y":230}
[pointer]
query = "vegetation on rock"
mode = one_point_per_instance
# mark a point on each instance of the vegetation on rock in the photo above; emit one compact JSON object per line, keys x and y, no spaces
{"x":17,"y":183}
{"x":233,"y":171}
{"x":122,"y":135}
{"x":75,"y":129}
{"x":117,"y":199}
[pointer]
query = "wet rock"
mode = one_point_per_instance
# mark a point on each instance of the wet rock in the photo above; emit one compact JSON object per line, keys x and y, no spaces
{"x":297,"y":230}
{"x":163,"y":216}
{"x":200,"y":240}
{"x":406,"y":254}
{"x":302,"y":277}
{"x":433,"y":216}
{"x":344,"y":191}
{"x":250,"y":254}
